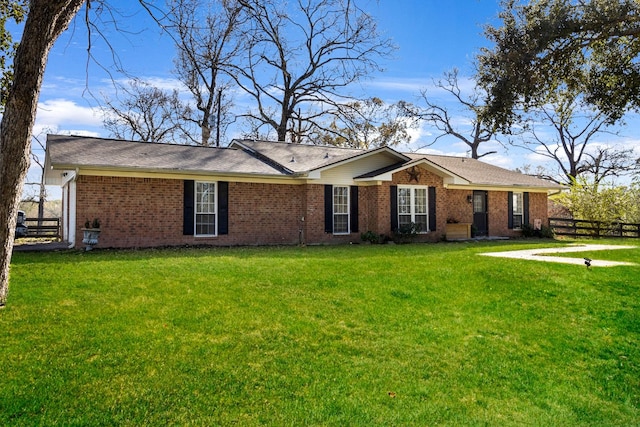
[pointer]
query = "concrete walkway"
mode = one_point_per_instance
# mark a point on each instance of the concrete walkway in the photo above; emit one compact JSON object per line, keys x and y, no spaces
{"x":543,"y":255}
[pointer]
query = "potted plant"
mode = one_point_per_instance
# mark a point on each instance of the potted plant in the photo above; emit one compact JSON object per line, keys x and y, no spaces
{"x":91,"y":232}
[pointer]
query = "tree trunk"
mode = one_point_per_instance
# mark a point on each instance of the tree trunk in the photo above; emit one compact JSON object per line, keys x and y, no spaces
{"x":46,"y":20}
{"x":41,"y":199}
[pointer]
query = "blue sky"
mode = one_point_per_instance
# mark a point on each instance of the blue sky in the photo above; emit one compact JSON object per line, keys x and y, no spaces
{"x":433,"y":36}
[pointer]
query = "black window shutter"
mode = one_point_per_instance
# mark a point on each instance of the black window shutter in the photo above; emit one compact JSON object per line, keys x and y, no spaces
{"x":510,"y":209}
{"x":525,"y":208}
{"x":328,"y":209}
{"x":394,"y":207}
{"x":189,"y":195}
{"x":223,"y":207}
{"x":432,"y":209}
{"x":354,"y":208}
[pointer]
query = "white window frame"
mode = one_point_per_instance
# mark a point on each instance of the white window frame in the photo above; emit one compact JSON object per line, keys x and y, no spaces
{"x":412,"y":205}
{"x":198,"y":206}
{"x":346,"y":214}
{"x":518,"y":210}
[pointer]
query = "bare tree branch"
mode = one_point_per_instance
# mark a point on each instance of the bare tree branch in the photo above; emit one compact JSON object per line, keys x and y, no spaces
{"x":148,"y":114}
{"x":304,"y":56}
{"x":571,"y":147}
{"x":441,"y":119}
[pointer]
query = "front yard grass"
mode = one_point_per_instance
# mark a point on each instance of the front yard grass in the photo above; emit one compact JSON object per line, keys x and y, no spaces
{"x":419,"y":334}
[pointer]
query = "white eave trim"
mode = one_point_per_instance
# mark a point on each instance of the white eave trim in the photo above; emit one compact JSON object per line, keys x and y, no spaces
{"x":67,"y":176}
{"x":180,"y":174}
{"x":447,"y":176}
{"x":316,"y":173}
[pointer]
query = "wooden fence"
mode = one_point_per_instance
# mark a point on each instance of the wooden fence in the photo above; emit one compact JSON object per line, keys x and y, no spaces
{"x":585,"y":228}
{"x":43,"y":227}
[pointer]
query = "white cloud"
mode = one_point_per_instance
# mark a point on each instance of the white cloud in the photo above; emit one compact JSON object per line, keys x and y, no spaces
{"x":63,"y":113}
{"x":413,"y":86}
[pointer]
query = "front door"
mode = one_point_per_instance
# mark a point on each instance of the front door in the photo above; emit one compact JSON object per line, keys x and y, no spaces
{"x":480,"y":213}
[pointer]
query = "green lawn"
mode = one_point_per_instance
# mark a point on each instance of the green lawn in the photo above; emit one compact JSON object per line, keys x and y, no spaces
{"x":389,"y":335}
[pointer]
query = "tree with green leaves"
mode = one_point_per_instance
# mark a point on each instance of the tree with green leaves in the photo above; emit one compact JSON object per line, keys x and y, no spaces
{"x":10,"y":11}
{"x":603,"y":204}
{"x":586,"y":46}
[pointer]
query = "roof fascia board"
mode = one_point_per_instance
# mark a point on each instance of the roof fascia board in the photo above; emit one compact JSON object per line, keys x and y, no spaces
{"x":517,"y":188}
{"x":183,"y":174}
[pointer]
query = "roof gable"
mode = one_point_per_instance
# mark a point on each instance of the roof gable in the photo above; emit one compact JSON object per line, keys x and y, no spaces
{"x":313,"y":159}
{"x":296,"y":158}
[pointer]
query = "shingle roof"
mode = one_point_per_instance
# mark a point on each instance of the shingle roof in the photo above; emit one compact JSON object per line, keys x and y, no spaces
{"x":298,"y":158}
{"x":77,"y":151}
{"x":481,"y":173}
{"x":261,"y":158}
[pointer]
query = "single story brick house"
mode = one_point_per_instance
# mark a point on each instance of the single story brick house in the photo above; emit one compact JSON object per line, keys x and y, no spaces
{"x":271,"y":193}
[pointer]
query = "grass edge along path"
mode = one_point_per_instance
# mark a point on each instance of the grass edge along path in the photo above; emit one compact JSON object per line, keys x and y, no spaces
{"x":350,"y":335}
{"x":547,"y":254}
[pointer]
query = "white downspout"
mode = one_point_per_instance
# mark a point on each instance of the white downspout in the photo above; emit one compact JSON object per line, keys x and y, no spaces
{"x":70,"y":217}
{"x":72,"y":214}
{"x":65,"y":213}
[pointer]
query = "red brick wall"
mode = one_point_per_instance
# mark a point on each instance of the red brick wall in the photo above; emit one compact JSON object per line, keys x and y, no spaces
{"x":374,"y":209}
{"x":538,"y":208}
{"x":144,"y":212}
{"x":499,"y":215}
{"x":314,"y":217}
{"x":264,"y":214}
{"x":458,"y":207}
{"x":133,"y":211}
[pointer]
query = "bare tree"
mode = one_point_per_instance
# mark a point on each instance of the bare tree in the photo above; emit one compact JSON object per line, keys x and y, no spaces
{"x":207,"y":44}
{"x":46,"y":20}
{"x":367,"y":124}
{"x":571,"y":146}
{"x":610,"y":162}
{"x":40,"y":186}
{"x":477,"y":132}
{"x":146,"y":113}
{"x":304,"y":53}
